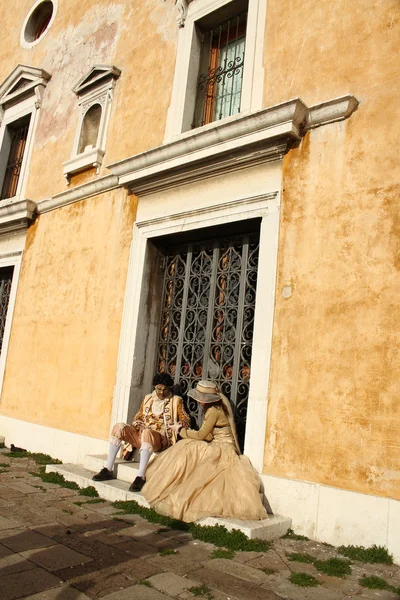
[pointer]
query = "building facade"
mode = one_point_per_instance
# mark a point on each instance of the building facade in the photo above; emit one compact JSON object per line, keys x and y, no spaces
{"x":209,"y":187}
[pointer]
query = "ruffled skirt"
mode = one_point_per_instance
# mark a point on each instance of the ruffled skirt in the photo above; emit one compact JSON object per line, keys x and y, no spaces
{"x":195,"y":479}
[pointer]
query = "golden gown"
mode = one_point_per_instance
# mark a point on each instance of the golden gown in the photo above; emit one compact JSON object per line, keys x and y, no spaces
{"x":195,"y":478}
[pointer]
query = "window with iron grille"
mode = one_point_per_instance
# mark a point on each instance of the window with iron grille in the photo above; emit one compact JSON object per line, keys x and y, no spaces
{"x":219,"y":85}
{"x":14,"y":144}
{"x":6,"y":275}
{"x":207,"y":317}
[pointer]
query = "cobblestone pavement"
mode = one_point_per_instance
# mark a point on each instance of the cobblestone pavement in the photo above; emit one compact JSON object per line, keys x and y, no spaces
{"x":53,"y":549}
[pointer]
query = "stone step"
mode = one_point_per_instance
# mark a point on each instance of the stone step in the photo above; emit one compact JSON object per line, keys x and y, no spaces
{"x":109,"y":490}
{"x":123,"y":470}
{"x":116,"y":489}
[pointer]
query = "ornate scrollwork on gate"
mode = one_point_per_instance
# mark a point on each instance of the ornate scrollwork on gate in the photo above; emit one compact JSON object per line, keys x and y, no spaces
{"x":207,"y":318}
{"x":6,"y":274}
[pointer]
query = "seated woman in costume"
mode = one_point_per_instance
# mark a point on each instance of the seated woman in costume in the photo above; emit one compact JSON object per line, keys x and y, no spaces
{"x":196,"y":478}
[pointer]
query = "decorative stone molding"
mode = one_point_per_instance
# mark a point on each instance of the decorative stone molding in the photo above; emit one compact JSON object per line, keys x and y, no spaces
{"x":22,"y":82}
{"x":86,"y":190}
{"x":95,"y":88}
{"x":16,"y":214}
{"x":337,"y":109}
{"x":241,"y":141}
{"x":182,"y":6}
{"x":97,"y":76}
{"x":92,"y":158}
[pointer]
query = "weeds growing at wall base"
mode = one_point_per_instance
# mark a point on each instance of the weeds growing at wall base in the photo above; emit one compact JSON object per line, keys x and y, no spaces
{"x":374,"y":554}
{"x":218,"y":535}
{"x":377,"y":583}
{"x":303,"y":580}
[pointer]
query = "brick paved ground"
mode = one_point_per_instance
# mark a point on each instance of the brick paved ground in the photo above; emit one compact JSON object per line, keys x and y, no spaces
{"x":53,"y":549}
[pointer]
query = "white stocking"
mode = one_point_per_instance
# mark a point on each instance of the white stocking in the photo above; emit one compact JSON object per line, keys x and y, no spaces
{"x":144,"y":459}
{"x":113,"y":450}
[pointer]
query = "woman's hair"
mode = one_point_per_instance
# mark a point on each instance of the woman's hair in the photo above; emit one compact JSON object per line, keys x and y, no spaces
{"x":163,"y":379}
{"x":217,"y":404}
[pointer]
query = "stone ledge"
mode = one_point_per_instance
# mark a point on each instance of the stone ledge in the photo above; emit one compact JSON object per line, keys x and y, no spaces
{"x":237,"y":143}
{"x":246,"y":140}
{"x":16,"y":214}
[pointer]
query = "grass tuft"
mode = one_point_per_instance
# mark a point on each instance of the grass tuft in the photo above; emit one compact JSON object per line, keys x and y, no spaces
{"x":89,"y":491}
{"x":291,"y":535}
{"x":167,"y":551}
{"x":130,"y":507}
{"x":217,"y":534}
{"x":374,"y":554}
{"x":377,"y":583}
{"x":145,"y":582}
{"x":303,"y":579}
{"x":2,"y":445}
{"x":233,"y":540}
{"x":38,"y":457}
{"x":93,"y":501}
{"x":201,"y":590}
{"x":58,"y":480}
{"x":220,"y":553}
{"x":300,"y":557}
{"x":4,"y":465}
{"x":335,"y":567}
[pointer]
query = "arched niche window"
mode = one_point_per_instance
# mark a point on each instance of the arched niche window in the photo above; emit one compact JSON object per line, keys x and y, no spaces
{"x":90,"y":129}
{"x":95,"y":96}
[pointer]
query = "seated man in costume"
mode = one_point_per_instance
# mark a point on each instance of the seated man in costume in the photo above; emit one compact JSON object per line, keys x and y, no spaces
{"x":153,"y":429}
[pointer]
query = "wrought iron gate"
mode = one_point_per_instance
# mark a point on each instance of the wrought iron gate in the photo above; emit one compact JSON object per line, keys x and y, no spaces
{"x":207,"y":317}
{"x":6,"y":275}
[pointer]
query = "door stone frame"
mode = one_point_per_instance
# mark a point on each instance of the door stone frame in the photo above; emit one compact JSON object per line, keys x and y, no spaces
{"x":135,"y":326}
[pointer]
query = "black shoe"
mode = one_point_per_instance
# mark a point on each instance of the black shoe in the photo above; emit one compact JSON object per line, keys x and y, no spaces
{"x":103,"y":475}
{"x":137,"y":485}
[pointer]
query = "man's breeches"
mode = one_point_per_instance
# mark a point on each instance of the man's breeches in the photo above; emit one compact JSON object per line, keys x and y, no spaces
{"x":138,"y":437}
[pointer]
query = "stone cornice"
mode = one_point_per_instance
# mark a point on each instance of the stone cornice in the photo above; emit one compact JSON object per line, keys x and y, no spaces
{"x":86,"y":190}
{"x":16,"y":214}
{"x":214,"y":149}
{"x":231,"y":145}
{"x":337,"y":109}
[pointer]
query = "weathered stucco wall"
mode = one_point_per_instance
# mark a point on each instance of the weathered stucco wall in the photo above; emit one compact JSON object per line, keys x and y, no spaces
{"x":138,"y":36}
{"x":62,"y":357}
{"x":333,"y":413}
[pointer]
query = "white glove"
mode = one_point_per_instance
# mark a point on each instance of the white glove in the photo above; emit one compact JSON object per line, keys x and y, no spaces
{"x":175,"y":427}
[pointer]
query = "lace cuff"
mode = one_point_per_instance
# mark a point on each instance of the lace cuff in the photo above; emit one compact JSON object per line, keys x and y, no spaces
{"x":147,"y":446}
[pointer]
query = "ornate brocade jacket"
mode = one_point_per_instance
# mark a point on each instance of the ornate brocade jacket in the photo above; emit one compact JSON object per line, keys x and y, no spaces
{"x":173,"y":412}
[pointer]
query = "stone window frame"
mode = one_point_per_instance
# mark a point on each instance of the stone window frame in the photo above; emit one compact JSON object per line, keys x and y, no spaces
{"x":20,"y":96}
{"x":26,"y":44}
{"x":181,"y":109}
{"x":96,"y":87}
{"x":11,"y":259}
{"x":134,"y":371}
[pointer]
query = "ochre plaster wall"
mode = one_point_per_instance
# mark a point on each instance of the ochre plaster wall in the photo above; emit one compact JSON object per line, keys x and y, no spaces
{"x":138,"y":36}
{"x":62,"y":357}
{"x":334,"y":411}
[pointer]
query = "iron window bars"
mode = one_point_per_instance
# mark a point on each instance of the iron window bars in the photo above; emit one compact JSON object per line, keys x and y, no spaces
{"x":18,"y":136}
{"x":219,"y":85}
{"x":6,"y":275}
